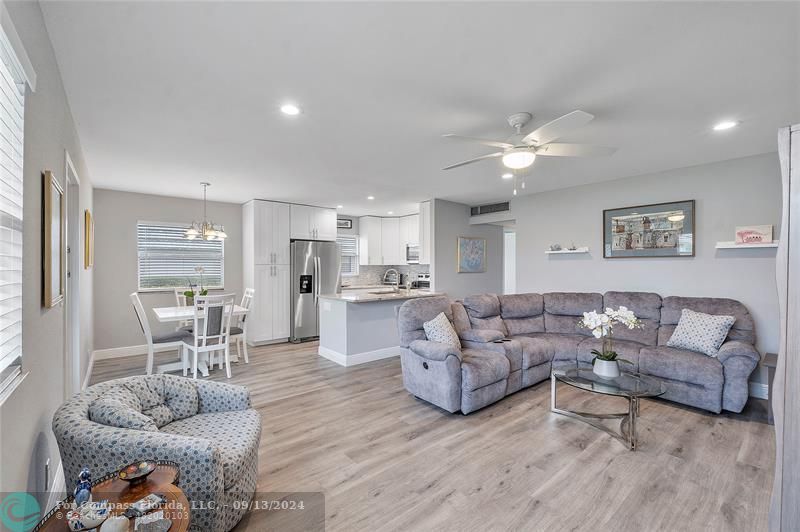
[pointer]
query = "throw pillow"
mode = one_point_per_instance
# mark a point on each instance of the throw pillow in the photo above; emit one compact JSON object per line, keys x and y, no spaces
{"x":118,"y":407}
{"x":439,"y":329}
{"x":700,"y":332}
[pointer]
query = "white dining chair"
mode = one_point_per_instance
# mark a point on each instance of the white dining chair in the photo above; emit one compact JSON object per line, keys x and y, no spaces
{"x":180,"y":301}
{"x":212,"y":326}
{"x":239,"y":331}
{"x":163,"y":341}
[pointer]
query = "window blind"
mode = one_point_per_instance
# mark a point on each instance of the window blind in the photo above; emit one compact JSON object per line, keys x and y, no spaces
{"x":168,"y":260}
{"x":348,"y":250}
{"x":12,"y":113}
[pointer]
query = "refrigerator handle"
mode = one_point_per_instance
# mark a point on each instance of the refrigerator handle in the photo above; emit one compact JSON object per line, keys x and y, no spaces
{"x":316,"y":279}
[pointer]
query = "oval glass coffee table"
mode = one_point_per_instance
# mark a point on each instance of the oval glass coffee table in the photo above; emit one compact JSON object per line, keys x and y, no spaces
{"x":632,"y":386}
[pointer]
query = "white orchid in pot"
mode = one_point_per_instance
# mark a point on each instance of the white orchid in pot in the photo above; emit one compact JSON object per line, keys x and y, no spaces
{"x":606,"y":361}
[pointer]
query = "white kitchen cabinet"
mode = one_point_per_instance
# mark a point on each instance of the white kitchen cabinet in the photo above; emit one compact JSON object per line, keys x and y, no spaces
{"x":425,"y":232}
{"x":265,"y":232}
{"x":281,"y":299}
{"x":390,"y":242}
{"x":269,"y":316}
{"x":370,"y":248}
{"x":313,"y":223}
{"x":409,"y":230}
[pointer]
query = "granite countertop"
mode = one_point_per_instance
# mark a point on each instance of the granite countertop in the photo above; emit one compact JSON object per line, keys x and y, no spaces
{"x":386,"y":294}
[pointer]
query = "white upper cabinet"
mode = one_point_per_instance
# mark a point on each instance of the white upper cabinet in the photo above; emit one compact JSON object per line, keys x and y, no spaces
{"x":266,"y":232}
{"x":370,"y":249}
{"x":313,"y":223}
{"x":409,"y":230}
{"x":390,"y":242}
{"x":425,"y":232}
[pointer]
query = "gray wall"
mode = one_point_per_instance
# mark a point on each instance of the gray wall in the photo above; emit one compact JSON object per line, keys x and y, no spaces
{"x":449,"y":221}
{"x":354,"y":230}
{"x":730,"y":193}
{"x":26,"y":440}
{"x":116,"y":274}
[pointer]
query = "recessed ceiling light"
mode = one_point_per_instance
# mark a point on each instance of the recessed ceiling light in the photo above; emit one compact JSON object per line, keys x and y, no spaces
{"x":340,"y":206}
{"x":725,"y":124}
{"x":290,"y":109}
{"x":507,"y":176}
{"x":390,"y":212}
{"x":370,"y":197}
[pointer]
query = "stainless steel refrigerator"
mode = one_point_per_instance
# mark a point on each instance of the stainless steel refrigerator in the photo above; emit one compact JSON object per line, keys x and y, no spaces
{"x":316,"y":270}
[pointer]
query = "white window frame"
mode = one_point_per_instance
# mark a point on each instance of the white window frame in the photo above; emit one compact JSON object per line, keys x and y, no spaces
{"x":358,"y":251}
{"x":15,"y":59}
{"x":171,"y":288}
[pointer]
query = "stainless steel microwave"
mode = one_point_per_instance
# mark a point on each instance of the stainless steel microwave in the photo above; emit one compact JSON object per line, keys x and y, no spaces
{"x":412,"y":253}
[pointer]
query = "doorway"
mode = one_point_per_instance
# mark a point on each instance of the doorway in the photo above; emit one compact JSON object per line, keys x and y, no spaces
{"x":72,"y":307}
{"x":509,"y":262}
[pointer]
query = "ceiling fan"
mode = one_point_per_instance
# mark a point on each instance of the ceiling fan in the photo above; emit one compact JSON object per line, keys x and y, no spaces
{"x":519,"y":151}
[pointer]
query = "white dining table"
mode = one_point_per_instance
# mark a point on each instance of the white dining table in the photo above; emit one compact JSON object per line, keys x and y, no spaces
{"x":177,"y":315}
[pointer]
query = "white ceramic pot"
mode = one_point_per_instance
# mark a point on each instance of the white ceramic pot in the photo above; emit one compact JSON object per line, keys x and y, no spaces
{"x":608,"y":369}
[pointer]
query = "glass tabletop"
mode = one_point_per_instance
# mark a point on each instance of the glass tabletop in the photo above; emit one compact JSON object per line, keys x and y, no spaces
{"x":626,"y":385}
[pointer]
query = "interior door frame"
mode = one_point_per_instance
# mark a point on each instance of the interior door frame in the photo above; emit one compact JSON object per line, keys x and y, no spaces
{"x":72,"y":320}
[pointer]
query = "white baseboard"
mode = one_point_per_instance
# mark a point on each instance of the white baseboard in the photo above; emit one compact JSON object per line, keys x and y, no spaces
{"x":131,"y":350}
{"x":57,"y":487}
{"x":759,"y":390}
{"x":358,"y":358}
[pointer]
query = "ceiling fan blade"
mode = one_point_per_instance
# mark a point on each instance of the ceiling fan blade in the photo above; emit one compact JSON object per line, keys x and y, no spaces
{"x":558,"y":128}
{"x":475,"y":160}
{"x":559,"y":149}
{"x":485,"y":142}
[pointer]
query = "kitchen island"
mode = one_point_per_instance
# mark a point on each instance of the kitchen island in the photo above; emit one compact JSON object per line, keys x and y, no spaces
{"x":359,"y":326}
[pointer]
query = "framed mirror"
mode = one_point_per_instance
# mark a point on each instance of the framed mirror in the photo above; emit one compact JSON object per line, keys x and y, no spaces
{"x":53,"y":241}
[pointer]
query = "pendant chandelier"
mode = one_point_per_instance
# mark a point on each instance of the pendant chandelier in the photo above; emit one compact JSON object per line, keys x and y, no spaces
{"x":205,"y":230}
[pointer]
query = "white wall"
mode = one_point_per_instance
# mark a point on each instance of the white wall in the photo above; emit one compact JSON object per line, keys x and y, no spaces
{"x":116,"y":270}
{"x":509,"y":262}
{"x":26,"y":439}
{"x":449,"y":221}
{"x":730,"y":193}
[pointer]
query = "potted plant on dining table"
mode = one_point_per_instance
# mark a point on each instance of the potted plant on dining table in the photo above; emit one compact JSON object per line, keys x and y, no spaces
{"x":191,"y":292}
{"x":606,"y":361}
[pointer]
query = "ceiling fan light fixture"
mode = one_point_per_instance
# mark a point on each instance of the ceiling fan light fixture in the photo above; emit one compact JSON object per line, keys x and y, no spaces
{"x":517,"y":159}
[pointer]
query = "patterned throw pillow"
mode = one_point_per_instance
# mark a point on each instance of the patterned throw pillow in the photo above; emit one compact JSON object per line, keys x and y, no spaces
{"x":700,"y":332}
{"x":119,"y":407}
{"x":440,"y":330}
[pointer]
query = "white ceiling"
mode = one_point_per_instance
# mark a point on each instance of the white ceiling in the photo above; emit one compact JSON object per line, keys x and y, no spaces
{"x":168,"y":94}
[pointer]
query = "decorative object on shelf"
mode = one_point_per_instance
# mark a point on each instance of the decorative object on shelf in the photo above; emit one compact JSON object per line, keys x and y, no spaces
{"x":754,"y":234}
{"x":555,"y":247}
{"x":53,"y":241}
{"x":344,"y":223}
{"x":137,"y":472}
{"x":606,"y":361}
{"x":471,"y":255}
{"x":83,"y":487}
{"x":571,"y":251}
{"x":572,"y":247}
{"x":657,"y":230}
{"x":88,"y":240}
{"x":205,"y":230}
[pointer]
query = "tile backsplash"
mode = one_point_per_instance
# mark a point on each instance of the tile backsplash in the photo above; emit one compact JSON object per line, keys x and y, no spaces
{"x":373,"y":275}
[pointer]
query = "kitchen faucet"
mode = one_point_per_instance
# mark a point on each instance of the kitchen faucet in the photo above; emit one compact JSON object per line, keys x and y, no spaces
{"x":396,"y":287}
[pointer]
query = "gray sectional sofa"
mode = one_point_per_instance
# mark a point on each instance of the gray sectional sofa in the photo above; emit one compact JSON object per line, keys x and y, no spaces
{"x":541,"y":330}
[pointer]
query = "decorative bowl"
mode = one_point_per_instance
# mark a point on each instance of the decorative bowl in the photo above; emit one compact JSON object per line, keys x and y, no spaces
{"x":137,"y":471}
{"x":87,"y":516}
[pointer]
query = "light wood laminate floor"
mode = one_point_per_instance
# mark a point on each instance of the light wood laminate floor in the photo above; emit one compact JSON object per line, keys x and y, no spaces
{"x":387,"y":461}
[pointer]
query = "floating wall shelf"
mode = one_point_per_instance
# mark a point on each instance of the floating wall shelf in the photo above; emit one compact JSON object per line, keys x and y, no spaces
{"x":734,"y":245}
{"x":567,"y":251}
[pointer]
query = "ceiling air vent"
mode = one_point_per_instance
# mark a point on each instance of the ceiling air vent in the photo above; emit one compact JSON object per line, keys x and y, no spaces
{"x":486,"y":209}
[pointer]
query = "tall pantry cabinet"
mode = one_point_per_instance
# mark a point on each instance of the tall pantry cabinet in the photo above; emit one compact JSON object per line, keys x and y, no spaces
{"x":266,"y":262}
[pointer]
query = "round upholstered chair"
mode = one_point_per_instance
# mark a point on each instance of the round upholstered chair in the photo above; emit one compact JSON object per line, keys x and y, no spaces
{"x":207,"y":428}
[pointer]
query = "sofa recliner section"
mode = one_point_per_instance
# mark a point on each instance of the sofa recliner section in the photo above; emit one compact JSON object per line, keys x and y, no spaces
{"x":541,"y":330}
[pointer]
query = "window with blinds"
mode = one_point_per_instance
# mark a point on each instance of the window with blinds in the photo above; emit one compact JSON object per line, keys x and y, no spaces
{"x":12,"y":113}
{"x":168,"y":260}
{"x":348,"y":250}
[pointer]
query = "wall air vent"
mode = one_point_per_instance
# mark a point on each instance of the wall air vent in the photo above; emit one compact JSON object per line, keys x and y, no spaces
{"x":487,"y":209}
